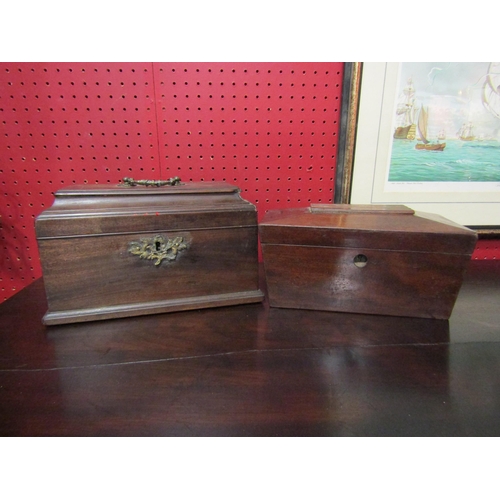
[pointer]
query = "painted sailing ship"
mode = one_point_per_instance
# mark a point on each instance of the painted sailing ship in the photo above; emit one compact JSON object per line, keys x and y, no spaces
{"x":466,"y":133}
{"x":423,"y":119}
{"x":406,"y":112}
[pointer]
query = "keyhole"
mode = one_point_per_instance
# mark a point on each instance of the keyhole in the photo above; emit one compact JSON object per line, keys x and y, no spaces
{"x":157,"y":243}
{"x":360,"y":260}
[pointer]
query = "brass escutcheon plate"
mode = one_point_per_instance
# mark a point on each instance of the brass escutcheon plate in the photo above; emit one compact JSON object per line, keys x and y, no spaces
{"x":157,"y":248}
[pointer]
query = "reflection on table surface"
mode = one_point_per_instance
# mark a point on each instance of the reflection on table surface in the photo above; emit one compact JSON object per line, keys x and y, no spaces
{"x":254,"y":370}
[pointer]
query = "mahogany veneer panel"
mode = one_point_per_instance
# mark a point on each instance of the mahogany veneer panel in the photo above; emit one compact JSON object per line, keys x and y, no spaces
{"x":365,"y":259}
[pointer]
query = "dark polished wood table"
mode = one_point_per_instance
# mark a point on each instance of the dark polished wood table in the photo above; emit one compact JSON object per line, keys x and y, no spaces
{"x":255,"y":371}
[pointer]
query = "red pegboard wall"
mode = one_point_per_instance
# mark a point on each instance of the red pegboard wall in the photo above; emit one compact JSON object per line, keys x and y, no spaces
{"x":487,"y":249}
{"x":270,"y":128}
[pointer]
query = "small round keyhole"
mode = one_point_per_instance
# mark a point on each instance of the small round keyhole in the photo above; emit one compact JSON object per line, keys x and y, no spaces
{"x":158,"y":246}
{"x":360,"y":260}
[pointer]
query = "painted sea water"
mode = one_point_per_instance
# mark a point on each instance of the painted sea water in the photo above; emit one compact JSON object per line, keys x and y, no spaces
{"x":460,"y":161}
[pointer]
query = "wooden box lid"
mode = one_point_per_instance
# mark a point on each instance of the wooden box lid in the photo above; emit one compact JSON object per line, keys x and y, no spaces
{"x":102,"y":209}
{"x":385,"y":227}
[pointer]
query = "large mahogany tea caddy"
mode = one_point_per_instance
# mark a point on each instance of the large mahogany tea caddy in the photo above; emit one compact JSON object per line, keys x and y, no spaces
{"x":373,"y":259}
{"x":128,"y":250}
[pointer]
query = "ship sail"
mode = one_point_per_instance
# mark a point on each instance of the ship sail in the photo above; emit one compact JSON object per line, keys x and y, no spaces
{"x":405,"y":111}
{"x":425,"y":144}
{"x":466,"y":132}
{"x":423,"y":119}
{"x":491,"y":90}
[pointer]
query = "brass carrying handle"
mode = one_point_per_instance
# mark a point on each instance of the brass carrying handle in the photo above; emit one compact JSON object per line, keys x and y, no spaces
{"x":173,"y":181}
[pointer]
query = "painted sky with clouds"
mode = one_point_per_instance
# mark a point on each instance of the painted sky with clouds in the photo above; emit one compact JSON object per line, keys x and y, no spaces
{"x":452,"y":91}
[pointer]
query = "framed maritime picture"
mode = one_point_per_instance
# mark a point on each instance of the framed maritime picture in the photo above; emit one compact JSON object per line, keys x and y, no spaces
{"x":427,"y":135}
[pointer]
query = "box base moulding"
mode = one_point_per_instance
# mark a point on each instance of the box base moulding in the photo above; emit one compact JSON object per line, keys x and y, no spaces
{"x":161,"y":306}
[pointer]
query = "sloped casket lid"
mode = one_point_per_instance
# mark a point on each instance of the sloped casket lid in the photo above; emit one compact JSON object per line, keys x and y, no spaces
{"x":384,"y":227}
{"x":104,"y":209}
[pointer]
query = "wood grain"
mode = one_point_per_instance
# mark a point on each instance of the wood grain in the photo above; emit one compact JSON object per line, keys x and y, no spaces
{"x":411,"y":265}
{"x":89,"y":273}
